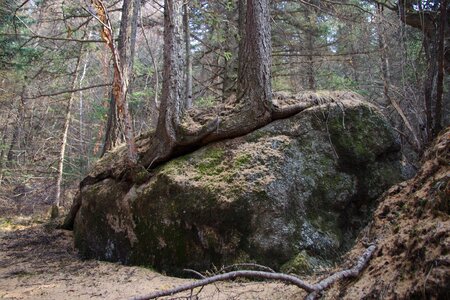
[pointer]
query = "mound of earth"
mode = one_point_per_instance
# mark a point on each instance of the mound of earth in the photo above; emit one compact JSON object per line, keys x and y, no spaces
{"x":291,"y":195}
{"x":411,"y":227}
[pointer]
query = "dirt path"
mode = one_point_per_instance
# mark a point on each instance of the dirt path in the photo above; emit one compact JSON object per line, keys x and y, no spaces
{"x":39,"y":262}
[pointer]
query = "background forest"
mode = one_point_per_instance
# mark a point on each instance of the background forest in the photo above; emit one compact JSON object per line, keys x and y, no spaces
{"x":56,"y":73}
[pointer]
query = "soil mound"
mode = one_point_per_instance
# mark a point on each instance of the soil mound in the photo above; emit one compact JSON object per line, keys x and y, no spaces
{"x":411,"y":227}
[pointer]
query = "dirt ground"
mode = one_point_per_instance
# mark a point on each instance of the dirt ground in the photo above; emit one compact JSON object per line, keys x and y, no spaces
{"x":38,"y":261}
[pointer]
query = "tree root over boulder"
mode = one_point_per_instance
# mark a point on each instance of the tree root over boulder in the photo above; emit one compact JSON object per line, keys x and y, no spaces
{"x":198,"y":129}
{"x":313,"y":289}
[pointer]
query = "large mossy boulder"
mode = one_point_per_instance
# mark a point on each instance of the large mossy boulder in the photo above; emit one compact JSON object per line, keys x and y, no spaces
{"x":291,"y":195}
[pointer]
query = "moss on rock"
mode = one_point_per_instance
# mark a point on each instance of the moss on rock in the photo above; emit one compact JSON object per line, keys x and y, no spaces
{"x":360,"y":134}
{"x":299,"y":264}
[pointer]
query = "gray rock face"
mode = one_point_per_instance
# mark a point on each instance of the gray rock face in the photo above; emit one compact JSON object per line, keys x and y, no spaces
{"x":292,"y":194}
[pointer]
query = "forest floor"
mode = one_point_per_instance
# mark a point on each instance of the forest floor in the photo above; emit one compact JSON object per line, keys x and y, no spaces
{"x":38,"y":261}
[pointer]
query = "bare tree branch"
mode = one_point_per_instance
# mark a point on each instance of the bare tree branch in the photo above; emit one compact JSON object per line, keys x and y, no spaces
{"x":313,"y":289}
{"x":349,"y":273}
{"x":69,"y":91}
{"x":53,"y":38}
{"x":249,"y":265}
{"x":231,"y":275}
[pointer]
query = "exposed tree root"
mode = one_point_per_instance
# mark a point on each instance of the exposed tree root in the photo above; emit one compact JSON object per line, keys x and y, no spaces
{"x":210,"y":127}
{"x":313,"y":289}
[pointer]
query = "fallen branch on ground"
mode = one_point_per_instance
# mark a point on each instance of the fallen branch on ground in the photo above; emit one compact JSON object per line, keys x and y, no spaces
{"x":349,"y":273}
{"x":248,"y":265}
{"x":313,"y":289}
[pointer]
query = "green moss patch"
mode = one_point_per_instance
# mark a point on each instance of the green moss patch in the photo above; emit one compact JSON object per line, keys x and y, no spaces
{"x":359,"y":135}
{"x":211,"y":161}
{"x":299,"y":264}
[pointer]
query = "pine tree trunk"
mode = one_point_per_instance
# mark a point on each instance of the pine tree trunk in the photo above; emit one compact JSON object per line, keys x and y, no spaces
{"x":310,"y":46}
{"x":254,"y":82}
{"x":187,"y":39}
{"x":172,"y":97}
{"x":441,"y":65}
{"x":429,"y":84}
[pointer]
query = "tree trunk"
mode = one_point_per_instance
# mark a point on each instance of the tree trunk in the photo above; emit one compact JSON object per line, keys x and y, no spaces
{"x":425,"y":20}
{"x":386,"y":75}
{"x":254,"y":103}
{"x":62,"y":153}
{"x":17,"y":132}
{"x":429,"y":86}
{"x":113,"y":135}
{"x":441,"y":65}
{"x":254,"y":84}
{"x":187,"y":38}
{"x":123,"y":62}
{"x":172,"y":97}
{"x":82,"y":151}
{"x":310,"y":34}
{"x":3,"y":142}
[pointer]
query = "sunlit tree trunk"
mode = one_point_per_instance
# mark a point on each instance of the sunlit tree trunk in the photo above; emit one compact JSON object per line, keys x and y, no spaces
{"x":119,"y":125}
{"x":62,"y":152}
{"x":172,"y":97}
{"x":83,"y":156}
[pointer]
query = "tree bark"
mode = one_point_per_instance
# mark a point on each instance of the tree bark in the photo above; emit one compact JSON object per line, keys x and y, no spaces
{"x":254,"y":89}
{"x":16,"y":136}
{"x":171,"y":106}
{"x":187,"y":38}
{"x":170,"y":138}
{"x":254,"y":103}
{"x":441,"y":65}
{"x":310,"y":34}
{"x":123,"y":62}
{"x":3,"y":143}
{"x":429,"y":84}
{"x":113,"y":136}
